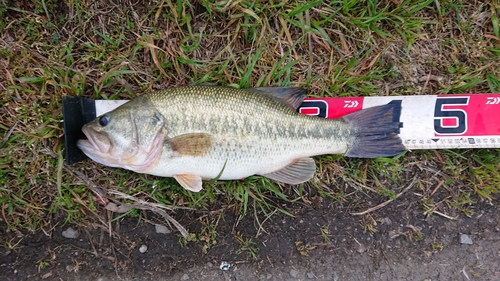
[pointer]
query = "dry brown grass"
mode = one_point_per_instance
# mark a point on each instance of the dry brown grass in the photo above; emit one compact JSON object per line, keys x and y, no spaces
{"x":121,"y":49}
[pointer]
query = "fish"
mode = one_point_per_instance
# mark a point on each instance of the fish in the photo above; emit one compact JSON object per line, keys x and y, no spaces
{"x":197,"y":133}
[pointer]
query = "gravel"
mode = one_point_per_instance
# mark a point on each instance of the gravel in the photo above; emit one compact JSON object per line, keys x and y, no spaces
{"x":465,"y":239}
{"x":71,"y":233}
{"x":143,"y":249}
{"x":162,"y":229}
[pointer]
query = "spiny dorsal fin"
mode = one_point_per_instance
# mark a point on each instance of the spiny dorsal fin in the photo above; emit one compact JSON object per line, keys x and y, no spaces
{"x":299,"y":171}
{"x":195,"y":144}
{"x":189,"y":182}
{"x":292,"y":96}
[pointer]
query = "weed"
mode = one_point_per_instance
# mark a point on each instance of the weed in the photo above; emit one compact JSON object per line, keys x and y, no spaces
{"x":183,"y":241}
{"x":43,"y":264}
{"x":207,"y":235}
{"x":325,"y":232}
{"x":246,"y":245}
{"x":437,"y":246}
{"x":369,"y":224}
{"x":303,"y":249}
{"x":414,"y":234}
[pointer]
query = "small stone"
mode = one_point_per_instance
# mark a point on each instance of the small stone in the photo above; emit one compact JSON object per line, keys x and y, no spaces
{"x":185,"y":277}
{"x":361,"y":248}
{"x":225,"y":265}
{"x":310,"y":275}
{"x":465,"y":239}
{"x":161,"y":229}
{"x":143,"y":249}
{"x":70,"y":233}
{"x":294,"y":273}
{"x":393,"y":234}
{"x":386,"y":221}
{"x":209,"y":264}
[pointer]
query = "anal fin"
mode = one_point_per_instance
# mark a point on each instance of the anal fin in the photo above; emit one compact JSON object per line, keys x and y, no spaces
{"x":299,"y":171}
{"x":189,"y":182}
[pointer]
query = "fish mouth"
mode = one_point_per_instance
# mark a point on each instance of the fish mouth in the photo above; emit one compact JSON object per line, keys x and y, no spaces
{"x":97,"y":147}
{"x":97,"y":140}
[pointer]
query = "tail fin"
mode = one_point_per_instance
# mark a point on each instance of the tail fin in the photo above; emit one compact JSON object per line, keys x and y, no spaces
{"x":376,"y":131}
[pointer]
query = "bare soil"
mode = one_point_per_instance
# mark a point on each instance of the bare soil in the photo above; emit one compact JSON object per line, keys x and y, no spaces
{"x":403,"y":244}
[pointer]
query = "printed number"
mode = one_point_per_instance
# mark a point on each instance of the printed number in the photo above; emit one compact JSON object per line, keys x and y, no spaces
{"x":314,"y":107}
{"x":450,"y":121}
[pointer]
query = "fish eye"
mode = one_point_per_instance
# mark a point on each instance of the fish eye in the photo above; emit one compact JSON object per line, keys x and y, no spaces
{"x":157,"y":118}
{"x":104,"y":120}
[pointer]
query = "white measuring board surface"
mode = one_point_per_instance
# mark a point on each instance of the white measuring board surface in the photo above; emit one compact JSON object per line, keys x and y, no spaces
{"x":428,"y":121}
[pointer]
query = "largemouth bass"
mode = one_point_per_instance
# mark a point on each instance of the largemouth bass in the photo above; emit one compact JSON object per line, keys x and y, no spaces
{"x":200,"y":132}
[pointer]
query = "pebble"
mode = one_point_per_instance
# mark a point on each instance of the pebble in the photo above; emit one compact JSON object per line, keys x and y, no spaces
{"x":361,"y":248}
{"x":161,"y":229}
{"x":70,"y":233}
{"x":143,"y":249}
{"x":465,"y":239}
{"x":185,"y":277}
{"x":386,"y":221}
{"x":310,"y":275}
{"x":294,"y":273}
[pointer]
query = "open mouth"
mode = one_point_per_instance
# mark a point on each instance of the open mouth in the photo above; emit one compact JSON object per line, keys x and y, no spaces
{"x":96,"y":147}
{"x":99,"y":147}
{"x":95,"y":141}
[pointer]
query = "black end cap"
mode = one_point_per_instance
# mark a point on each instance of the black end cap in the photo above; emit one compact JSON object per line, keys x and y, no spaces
{"x":77,"y":111}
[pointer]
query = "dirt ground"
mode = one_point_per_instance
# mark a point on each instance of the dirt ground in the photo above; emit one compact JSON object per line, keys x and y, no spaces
{"x":400,"y":244}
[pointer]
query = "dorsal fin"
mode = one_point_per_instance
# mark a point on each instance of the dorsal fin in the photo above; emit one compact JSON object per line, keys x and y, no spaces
{"x":292,"y":96}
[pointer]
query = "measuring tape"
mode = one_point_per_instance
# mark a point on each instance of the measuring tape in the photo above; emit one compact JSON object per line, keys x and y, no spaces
{"x":428,"y":122}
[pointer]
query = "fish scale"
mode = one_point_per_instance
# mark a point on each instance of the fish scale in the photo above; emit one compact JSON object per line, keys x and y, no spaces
{"x":257,"y":137}
{"x":194,"y":133}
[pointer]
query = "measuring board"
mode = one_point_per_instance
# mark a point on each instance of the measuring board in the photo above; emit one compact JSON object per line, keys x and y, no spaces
{"x":428,"y":122}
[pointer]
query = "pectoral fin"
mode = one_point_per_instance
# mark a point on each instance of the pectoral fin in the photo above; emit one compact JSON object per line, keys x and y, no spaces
{"x":189,"y":182}
{"x":196,"y":144}
{"x":299,"y":171}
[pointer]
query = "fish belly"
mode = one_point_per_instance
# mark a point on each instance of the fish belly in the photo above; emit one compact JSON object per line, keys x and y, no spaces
{"x":241,"y":159}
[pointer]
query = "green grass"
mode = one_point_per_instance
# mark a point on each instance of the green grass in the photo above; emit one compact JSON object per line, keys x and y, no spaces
{"x":51,"y":49}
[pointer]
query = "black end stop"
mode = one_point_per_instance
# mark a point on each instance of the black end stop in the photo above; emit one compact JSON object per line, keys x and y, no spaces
{"x":77,"y":111}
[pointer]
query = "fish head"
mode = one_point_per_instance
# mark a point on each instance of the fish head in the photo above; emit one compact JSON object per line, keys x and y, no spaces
{"x":130,"y":137}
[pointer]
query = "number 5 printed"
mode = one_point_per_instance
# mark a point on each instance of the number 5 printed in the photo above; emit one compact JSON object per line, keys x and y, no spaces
{"x":449,"y":120}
